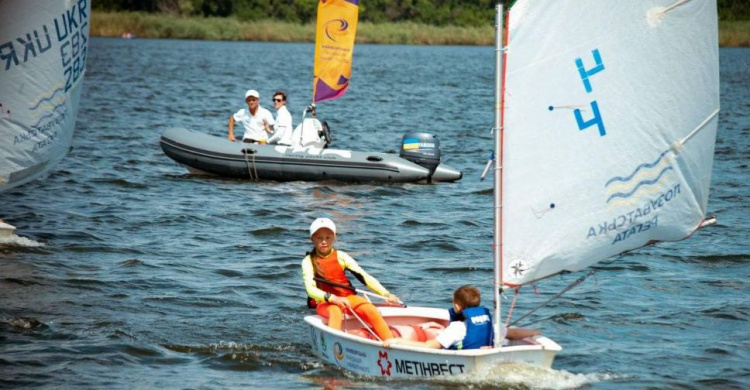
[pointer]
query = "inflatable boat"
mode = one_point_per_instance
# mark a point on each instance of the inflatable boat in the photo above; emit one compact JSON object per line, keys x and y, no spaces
{"x":204,"y":154}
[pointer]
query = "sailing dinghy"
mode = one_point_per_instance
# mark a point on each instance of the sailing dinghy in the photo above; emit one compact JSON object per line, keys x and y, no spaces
{"x":621,"y":97}
{"x":309,"y":158}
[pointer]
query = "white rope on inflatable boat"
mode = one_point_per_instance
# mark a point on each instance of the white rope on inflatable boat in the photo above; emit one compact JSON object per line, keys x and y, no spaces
{"x":247,"y":164}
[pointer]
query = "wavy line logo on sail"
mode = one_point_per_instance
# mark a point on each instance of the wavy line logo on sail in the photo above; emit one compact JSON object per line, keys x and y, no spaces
{"x":47,"y":105}
{"x":57,"y":89}
{"x":626,"y":190}
{"x":336,"y":28}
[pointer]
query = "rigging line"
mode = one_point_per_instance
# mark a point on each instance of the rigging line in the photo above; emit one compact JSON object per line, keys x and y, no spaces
{"x":512,"y":305}
{"x":679,"y":144}
{"x":369,"y":329}
{"x":655,"y":15}
{"x":569,"y":287}
{"x":675,"y":5}
{"x":566,"y":289}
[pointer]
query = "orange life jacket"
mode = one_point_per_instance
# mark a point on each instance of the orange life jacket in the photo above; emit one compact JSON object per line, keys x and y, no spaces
{"x":328,"y":268}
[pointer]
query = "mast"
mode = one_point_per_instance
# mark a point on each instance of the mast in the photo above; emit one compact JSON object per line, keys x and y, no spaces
{"x":498,"y":211}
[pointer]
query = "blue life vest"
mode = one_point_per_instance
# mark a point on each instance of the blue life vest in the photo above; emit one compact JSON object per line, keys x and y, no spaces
{"x":479,"y":330}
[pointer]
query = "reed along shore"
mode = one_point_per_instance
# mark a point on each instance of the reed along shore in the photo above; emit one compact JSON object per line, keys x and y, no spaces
{"x":145,"y":25}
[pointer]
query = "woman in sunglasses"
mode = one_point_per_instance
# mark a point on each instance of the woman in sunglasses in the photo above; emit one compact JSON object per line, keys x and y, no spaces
{"x":282,"y":134}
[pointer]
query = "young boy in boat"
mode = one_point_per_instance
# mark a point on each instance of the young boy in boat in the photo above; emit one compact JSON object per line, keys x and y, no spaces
{"x":470,"y":326}
{"x":328,"y":288}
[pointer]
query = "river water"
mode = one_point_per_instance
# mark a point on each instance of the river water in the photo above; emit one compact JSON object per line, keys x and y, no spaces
{"x":126,"y":272}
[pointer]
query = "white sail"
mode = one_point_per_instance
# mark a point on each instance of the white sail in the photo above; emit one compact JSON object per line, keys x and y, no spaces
{"x":611,"y":110}
{"x":43,"y":47}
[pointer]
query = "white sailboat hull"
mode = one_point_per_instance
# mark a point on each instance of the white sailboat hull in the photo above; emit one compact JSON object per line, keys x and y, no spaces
{"x":369,"y":357}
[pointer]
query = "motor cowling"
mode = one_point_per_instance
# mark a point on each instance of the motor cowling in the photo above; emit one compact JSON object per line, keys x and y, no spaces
{"x":422,"y":149}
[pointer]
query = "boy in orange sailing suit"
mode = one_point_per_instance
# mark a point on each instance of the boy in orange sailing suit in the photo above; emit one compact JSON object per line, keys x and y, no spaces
{"x":332,"y":293}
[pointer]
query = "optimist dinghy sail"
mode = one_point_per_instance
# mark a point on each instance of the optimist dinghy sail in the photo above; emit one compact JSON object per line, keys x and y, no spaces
{"x":43,"y":47}
{"x":606,"y":118}
{"x":610,"y":117}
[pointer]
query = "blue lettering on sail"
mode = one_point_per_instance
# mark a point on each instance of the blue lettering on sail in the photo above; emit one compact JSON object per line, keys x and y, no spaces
{"x":70,"y":28}
{"x":585,"y":77}
{"x":585,"y":73}
{"x":596,"y":120}
{"x":641,"y":227}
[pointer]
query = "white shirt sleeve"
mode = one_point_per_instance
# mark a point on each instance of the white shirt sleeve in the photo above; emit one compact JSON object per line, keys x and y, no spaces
{"x":452,"y":335}
{"x":239,"y":115}
{"x":282,"y":132}
{"x":268,"y":117}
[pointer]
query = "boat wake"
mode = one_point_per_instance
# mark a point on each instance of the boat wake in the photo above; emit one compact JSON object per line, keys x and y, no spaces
{"x":14,"y":240}
{"x":515,"y":375}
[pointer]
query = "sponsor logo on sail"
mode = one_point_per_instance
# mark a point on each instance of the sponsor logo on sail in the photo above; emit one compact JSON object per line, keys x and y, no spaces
{"x":517,"y":269}
{"x":645,"y":179}
{"x":635,"y":197}
{"x":336,"y":28}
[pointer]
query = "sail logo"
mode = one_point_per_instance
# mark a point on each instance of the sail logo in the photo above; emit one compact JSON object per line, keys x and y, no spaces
{"x":517,"y":269}
{"x":643,"y":180}
{"x":48,"y":114}
{"x":336,"y":28}
{"x":636,"y":196}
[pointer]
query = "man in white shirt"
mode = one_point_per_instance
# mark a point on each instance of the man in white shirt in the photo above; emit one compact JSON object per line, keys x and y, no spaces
{"x":282,"y":134}
{"x":258,"y":121}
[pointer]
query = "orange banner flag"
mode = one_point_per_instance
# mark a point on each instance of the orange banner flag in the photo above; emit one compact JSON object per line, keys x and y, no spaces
{"x":334,"y":46}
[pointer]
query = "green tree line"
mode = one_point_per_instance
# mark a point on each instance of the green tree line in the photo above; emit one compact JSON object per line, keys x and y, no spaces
{"x":430,"y":12}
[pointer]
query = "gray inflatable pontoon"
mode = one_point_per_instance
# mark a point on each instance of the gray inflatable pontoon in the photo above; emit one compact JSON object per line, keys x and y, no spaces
{"x":207,"y":154}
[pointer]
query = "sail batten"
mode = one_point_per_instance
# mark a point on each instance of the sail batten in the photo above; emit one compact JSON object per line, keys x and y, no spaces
{"x":609,"y":130}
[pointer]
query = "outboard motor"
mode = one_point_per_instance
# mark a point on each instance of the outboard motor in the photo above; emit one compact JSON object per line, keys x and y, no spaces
{"x":311,"y":133}
{"x":422,"y":149}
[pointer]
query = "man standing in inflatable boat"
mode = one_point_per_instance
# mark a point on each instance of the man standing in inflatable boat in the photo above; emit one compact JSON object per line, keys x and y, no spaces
{"x":323,"y":272}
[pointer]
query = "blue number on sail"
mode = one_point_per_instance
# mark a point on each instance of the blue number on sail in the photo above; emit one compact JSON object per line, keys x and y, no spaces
{"x":586,"y":73}
{"x":596,"y":120}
